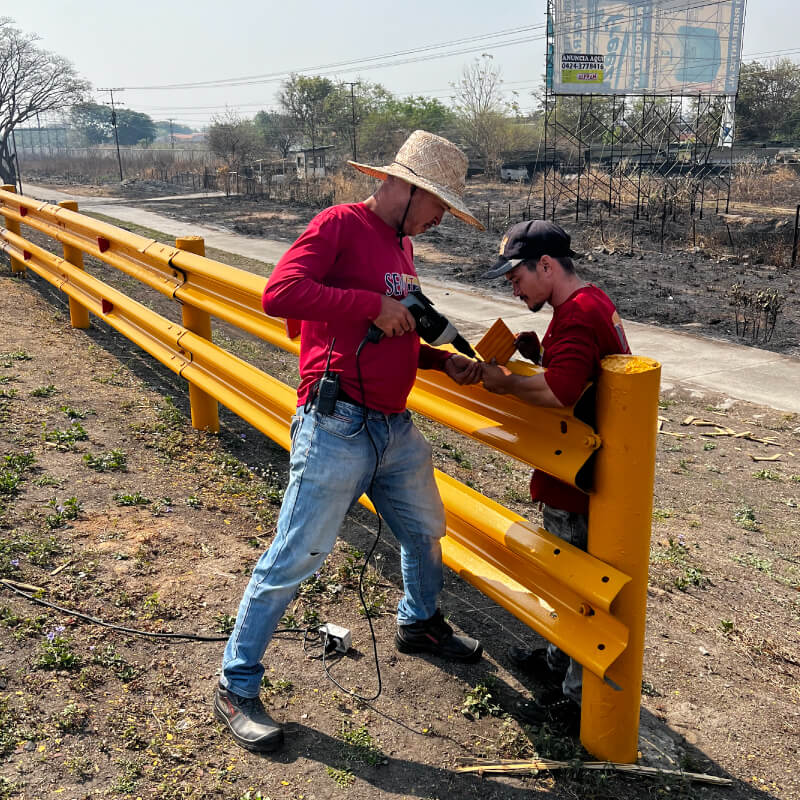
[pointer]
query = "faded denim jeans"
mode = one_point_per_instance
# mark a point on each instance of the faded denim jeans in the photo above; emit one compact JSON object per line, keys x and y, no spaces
{"x":572,"y":528}
{"x":331,"y":463}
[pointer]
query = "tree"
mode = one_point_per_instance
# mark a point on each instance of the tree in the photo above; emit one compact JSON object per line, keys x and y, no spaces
{"x":93,"y":122}
{"x":768,"y":103}
{"x":277,"y":131}
{"x":133,"y":127}
{"x":482,"y":111}
{"x":305,"y":99}
{"x":386,"y":128}
{"x":32,"y":81}
{"x":165,"y":128}
{"x":232,"y":138}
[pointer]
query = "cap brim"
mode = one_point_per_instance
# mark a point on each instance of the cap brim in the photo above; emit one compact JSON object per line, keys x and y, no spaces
{"x":502,"y":266}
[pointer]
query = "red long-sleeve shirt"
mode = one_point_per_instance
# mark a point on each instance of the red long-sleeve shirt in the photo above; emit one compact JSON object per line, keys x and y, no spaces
{"x":332,"y":279}
{"x":584,"y":329}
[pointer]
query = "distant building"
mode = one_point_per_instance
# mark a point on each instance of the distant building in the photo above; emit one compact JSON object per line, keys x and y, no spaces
{"x":312,"y":163}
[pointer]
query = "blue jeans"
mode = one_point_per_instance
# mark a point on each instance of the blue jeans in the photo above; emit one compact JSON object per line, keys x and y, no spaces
{"x":331,"y":463}
{"x":572,"y":528}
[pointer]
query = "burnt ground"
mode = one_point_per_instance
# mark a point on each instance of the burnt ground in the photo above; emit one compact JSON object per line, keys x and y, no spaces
{"x":115,"y":507}
{"x":688,"y":286}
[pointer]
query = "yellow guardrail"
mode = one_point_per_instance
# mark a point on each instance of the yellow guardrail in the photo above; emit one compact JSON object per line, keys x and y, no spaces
{"x":569,"y":596}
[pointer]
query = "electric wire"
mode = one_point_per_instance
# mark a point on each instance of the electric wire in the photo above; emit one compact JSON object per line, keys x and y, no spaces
{"x":194,"y":637}
{"x":365,"y":415}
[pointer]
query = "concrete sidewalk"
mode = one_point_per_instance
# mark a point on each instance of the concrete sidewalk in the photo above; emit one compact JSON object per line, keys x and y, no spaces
{"x":737,"y":371}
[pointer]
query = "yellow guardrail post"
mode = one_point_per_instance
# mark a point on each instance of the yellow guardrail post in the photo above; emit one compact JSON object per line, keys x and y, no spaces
{"x":205,"y":409}
{"x":78,"y":314}
{"x":13,"y":226}
{"x":620,"y":518}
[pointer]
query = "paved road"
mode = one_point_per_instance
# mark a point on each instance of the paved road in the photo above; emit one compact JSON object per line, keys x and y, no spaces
{"x":704,"y":365}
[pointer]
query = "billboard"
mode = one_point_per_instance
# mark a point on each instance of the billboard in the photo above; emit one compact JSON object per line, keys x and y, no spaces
{"x":646,"y":46}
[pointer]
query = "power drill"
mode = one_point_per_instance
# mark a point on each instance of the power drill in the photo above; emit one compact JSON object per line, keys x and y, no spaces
{"x":434,"y":328}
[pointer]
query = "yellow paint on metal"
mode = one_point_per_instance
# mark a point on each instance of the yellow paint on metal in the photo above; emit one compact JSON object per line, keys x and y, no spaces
{"x":596,"y":583}
{"x":204,"y":408}
{"x":12,"y":225}
{"x":620,"y":516}
{"x":78,"y":315}
{"x":532,"y":587}
{"x":551,"y":439}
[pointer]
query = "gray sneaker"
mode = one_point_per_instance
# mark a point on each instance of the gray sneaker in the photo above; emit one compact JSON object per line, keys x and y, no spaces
{"x":248,"y":722}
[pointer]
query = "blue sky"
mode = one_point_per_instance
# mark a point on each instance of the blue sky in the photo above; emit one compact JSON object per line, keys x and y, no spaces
{"x":176,"y":41}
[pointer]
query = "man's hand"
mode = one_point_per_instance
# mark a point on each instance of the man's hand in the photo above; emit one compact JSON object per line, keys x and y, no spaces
{"x":463,"y":370}
{"x":394,"y":319}
{"x":496,"y":377}
{"x":528,"y":346}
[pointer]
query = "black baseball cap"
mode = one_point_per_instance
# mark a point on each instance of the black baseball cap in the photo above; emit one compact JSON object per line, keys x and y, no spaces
{"x":530,"y":239}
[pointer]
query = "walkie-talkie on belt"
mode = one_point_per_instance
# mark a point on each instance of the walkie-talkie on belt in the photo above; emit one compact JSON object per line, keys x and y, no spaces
{"x":328,"y":387}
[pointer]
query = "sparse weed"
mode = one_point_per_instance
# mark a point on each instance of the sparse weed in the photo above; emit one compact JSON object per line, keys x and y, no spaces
{"x":479,"y":701}
{"x":135,"y":499}
{"x":193,"y":501}
{"x":752,"y":560}
{"x":112,"y":461}
{"x":80,"y":767}
{"x":55,"y":652}
{"x":108,"y":657}
{"x":152,"y":606}
{"x":709,"y":446}
{"x":224,"y":622}
{"x":44,"y":391}
{"x":745,"y":516}
{"x":65,"y":440}
{"x":7,"y":359}
{"x":767,"y":475}
{"x":341,"y":777}
{"x":662,"y":513}
{"x":73,"y":718}
{"x":359,"y":745}
{"x":73,"y":413}
{"x":69,"y":509}
{"x":128,"y":778}
{"x":726,"y":626}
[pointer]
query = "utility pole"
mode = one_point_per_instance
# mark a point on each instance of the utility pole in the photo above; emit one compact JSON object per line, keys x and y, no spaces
{"x":353,"y":109}
{"x":114,"y":123}
{"x":171,"y":136}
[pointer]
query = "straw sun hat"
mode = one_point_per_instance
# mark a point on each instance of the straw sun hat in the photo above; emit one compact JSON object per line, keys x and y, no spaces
{"x":433,"y":164}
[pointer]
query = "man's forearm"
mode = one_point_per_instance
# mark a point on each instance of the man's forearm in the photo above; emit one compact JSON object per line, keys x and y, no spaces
{"x":532,"y":389}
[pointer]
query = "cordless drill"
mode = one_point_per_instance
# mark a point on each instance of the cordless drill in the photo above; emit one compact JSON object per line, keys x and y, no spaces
{"x":434,"y":328}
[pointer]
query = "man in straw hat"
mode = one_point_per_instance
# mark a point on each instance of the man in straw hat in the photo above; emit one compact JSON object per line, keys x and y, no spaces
{"x":348,"y":271}
{"x":536,"y":259}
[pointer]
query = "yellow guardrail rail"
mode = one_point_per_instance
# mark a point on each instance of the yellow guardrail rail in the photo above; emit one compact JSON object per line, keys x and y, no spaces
{"x":569,"y":596}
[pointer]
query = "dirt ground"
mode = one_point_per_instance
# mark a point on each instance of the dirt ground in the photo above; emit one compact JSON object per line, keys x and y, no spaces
{"x":115,"y":507}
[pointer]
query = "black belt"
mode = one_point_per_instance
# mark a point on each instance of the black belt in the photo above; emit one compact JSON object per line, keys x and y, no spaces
{"x":345,"y":398}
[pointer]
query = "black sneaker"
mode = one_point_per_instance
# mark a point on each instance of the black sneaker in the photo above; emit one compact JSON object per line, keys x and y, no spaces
{"x":248,"y":722}
{"x":435,"y":636}
{"x":534,"y":663}
{"x":559,"y":711}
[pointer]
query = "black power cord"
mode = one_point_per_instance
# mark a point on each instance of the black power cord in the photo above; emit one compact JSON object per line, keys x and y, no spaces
{"x":192,"y":637}
{"x":325,"y":647}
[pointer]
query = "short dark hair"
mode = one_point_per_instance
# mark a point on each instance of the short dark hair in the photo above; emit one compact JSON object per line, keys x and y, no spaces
{"x":566,"y":262}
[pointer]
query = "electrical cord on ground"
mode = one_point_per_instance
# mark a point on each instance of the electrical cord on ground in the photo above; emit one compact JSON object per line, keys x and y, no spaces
{"x":366,"y":559}
{"x":192,"y":637}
